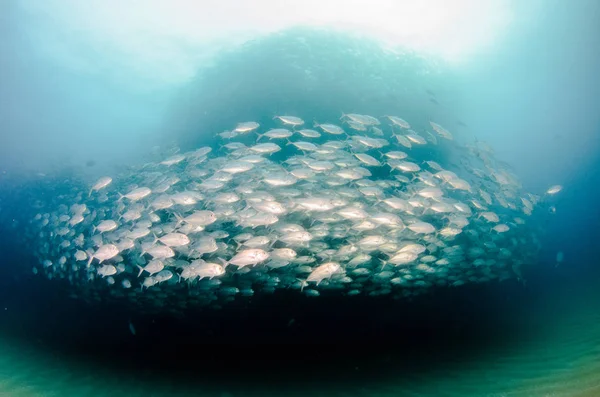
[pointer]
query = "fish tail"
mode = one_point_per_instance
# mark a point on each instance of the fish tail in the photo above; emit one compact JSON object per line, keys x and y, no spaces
{"x":224,"y":262}
{"x":179,"y":219}
{"x":302,"y":284}
{"x":383,"y":263}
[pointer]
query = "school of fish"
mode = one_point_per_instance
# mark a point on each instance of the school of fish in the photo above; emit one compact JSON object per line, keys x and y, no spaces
{"x":361,"y":206}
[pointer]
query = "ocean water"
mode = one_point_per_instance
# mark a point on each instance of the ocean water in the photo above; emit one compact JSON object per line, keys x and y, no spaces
{"x":76,"y":107}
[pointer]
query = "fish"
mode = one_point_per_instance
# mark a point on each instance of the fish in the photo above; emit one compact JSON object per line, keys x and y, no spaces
{"x":245,"y":127}
{"x":173,"y":239}
{"x":248,"y":257}
{"x":421,"y":227}
{"x":330,"y":128}
{"x":321,"y":272}
{"x":397,"y":121}
{"x":104,"y":253}
{"x":441,"y":131}
{"x":107,"y":270}
{"x":137,"y":194}
{"x":158,"y":251}
{"x":131,"y":328}
{"x":290,"y":120}
{"x":501,"y":228}
{"x":360,"y":208}
{"x":176,"y":159}
{"x":552,"y":190}
{"x":100,"y":184}
{"x":308,"y":133}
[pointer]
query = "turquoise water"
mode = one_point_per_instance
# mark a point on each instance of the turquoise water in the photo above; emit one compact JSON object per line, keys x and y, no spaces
{"x":548,"y":349}
{"x":533,"y":97}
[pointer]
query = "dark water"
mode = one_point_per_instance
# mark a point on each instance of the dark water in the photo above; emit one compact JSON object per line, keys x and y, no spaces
{"x":476,"y":340}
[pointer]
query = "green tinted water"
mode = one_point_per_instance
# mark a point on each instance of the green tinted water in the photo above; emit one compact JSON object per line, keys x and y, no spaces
{"x":555,"y":351}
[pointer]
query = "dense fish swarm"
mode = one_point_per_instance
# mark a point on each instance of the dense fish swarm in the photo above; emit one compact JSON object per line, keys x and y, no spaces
{"x":364,"y":205}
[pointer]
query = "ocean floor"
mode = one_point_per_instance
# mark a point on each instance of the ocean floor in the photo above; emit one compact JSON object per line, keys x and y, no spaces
{"x":548,"y":344}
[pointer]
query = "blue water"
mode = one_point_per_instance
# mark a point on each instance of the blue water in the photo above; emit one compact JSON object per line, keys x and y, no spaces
{"x":535,"y":100}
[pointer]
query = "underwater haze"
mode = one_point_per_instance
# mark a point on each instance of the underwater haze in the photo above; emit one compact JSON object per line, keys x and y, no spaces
{"x":337,"y":198}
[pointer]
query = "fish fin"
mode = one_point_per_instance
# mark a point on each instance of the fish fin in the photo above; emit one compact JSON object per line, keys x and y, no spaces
{"x":223,"y":261}
{"x":383,"y":263}
{"x":121,"y":197}
{"x":142,"y":270}
{"x":131,"y":328}
{"x":303,"y":283}
{"x":179,"y":219}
